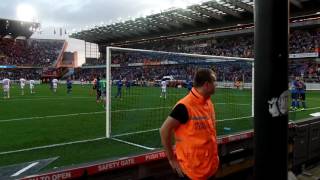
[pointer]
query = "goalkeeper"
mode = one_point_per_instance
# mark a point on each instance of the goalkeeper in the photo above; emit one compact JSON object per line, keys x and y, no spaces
{"x":102,"y":86}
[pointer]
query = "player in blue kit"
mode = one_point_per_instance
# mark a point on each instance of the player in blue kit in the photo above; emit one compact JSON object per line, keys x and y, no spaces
{"x":302,"y":94}
{"x":294,"y":94}
{"x":69,"y":86}
{"x":119,"y":88}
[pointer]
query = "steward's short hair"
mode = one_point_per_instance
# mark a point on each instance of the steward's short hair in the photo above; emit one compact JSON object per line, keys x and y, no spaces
{"x":203,"y":75}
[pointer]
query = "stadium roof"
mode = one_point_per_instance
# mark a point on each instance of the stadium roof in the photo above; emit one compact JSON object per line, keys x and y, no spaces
{"x":207,"y":15}
{"x":15,"y":28}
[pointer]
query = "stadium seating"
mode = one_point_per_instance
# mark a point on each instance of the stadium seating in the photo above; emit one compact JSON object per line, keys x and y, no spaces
{"x":300,"y":41}
{"x":31,"y":52}
{"x":16,"y":74}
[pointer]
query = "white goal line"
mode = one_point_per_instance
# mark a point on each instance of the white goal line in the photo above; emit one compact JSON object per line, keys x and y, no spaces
{"x":133,"y":144}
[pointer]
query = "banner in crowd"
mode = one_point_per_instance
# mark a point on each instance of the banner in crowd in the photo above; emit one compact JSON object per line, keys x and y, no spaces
{"x":304,"y":55}
{"x":5,"y":67}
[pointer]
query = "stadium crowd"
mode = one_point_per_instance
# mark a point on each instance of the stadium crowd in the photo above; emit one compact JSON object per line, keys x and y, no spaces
{"x":16,"y":74}
{"x":300,"y":41}
{"x":31,"y":52}
{"x":226,"y":71}
{"x":43,"y":53}
{"x":88,"y":74}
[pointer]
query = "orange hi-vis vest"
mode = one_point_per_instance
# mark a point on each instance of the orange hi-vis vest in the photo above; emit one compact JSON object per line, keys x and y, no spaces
{"x":196,"y":140}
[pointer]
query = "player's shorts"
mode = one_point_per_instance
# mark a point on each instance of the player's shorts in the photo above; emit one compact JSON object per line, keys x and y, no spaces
{"x":6,"y":88}
{"x":55,"y":86}
{"x":31,"y":86}
{"x":163,"y":90}
{"x":303,"y":96}
{"x":294,"y":95}
{"x":98,"y":95}
{"x":22,"y":86}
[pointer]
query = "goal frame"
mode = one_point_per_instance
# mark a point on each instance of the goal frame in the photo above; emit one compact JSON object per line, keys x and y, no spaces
{"x":109,"y":83}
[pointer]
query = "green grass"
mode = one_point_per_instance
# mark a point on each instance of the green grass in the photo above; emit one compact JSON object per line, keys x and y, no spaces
{"x":47,"y":118}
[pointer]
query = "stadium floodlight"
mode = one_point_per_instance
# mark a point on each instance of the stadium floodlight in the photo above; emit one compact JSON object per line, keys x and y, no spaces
{"x":136,"y":108}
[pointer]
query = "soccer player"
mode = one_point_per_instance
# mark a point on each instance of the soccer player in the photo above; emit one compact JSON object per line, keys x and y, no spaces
{"x":189,"y":85}
{"x":82,"y":82}
{"x":69,"y":86}
{"x":302,"y":94}
{"x":55,"y":85}
{"x":294,"y":94}
{"x":22,"y":84}
{"x":98,"y":90}
{"x":51,"y":84}
{"x":163,"y":89}
{"x":103,"y":86}
{"x":94,"y":86}
{"x":119,"y":87}
{"x":237,"y":83}
{"x":6,"y":88}
{"x":128,"y":84}
{"x":31,"y":85}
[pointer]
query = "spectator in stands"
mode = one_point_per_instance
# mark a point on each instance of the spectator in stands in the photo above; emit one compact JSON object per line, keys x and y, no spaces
{"x":193,"y":122}
{"x":16,"y":74}
{"x":30,"y":52}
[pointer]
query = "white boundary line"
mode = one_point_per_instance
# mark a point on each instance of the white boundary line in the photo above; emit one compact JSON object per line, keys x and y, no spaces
{"x":126,"y":142}
{"x":232,"y":119}
{"x":124,"y":134}
{"x":52,"y":145}
{"x":51,"y":116}
{"x":53,"y":98}
{"x":24,"y":169}
{"x":77,"y":114}
{"x":307,"y":109}
{"x":138,"y":132}
{"x":133,"y":144}
{"x":140,"y":109}
{"x":234,"y":104}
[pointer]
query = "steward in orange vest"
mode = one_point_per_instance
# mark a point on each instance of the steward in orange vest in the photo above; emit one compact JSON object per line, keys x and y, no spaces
{"x":192,"y":121}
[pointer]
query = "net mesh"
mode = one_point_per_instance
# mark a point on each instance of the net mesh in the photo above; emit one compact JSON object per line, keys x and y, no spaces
{"x":139,"y":103}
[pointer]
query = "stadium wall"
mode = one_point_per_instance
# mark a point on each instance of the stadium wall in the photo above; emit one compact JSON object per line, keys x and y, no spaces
{"x":60,"y":56}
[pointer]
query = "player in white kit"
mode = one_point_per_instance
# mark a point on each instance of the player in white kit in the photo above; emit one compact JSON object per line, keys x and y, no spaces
{"x":22,"y":84}
{"x":31,"y":83}
{"x":163,"y":89}
{"x":82,"y":82}
{"x":6,"y":88}
{"x":55,"y":84}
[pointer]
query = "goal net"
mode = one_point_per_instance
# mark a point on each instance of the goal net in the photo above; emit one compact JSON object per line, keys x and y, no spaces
{"x":137,"y":102}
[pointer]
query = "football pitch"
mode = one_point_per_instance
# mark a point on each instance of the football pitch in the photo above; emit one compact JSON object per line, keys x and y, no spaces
{"x":72,"y":126}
